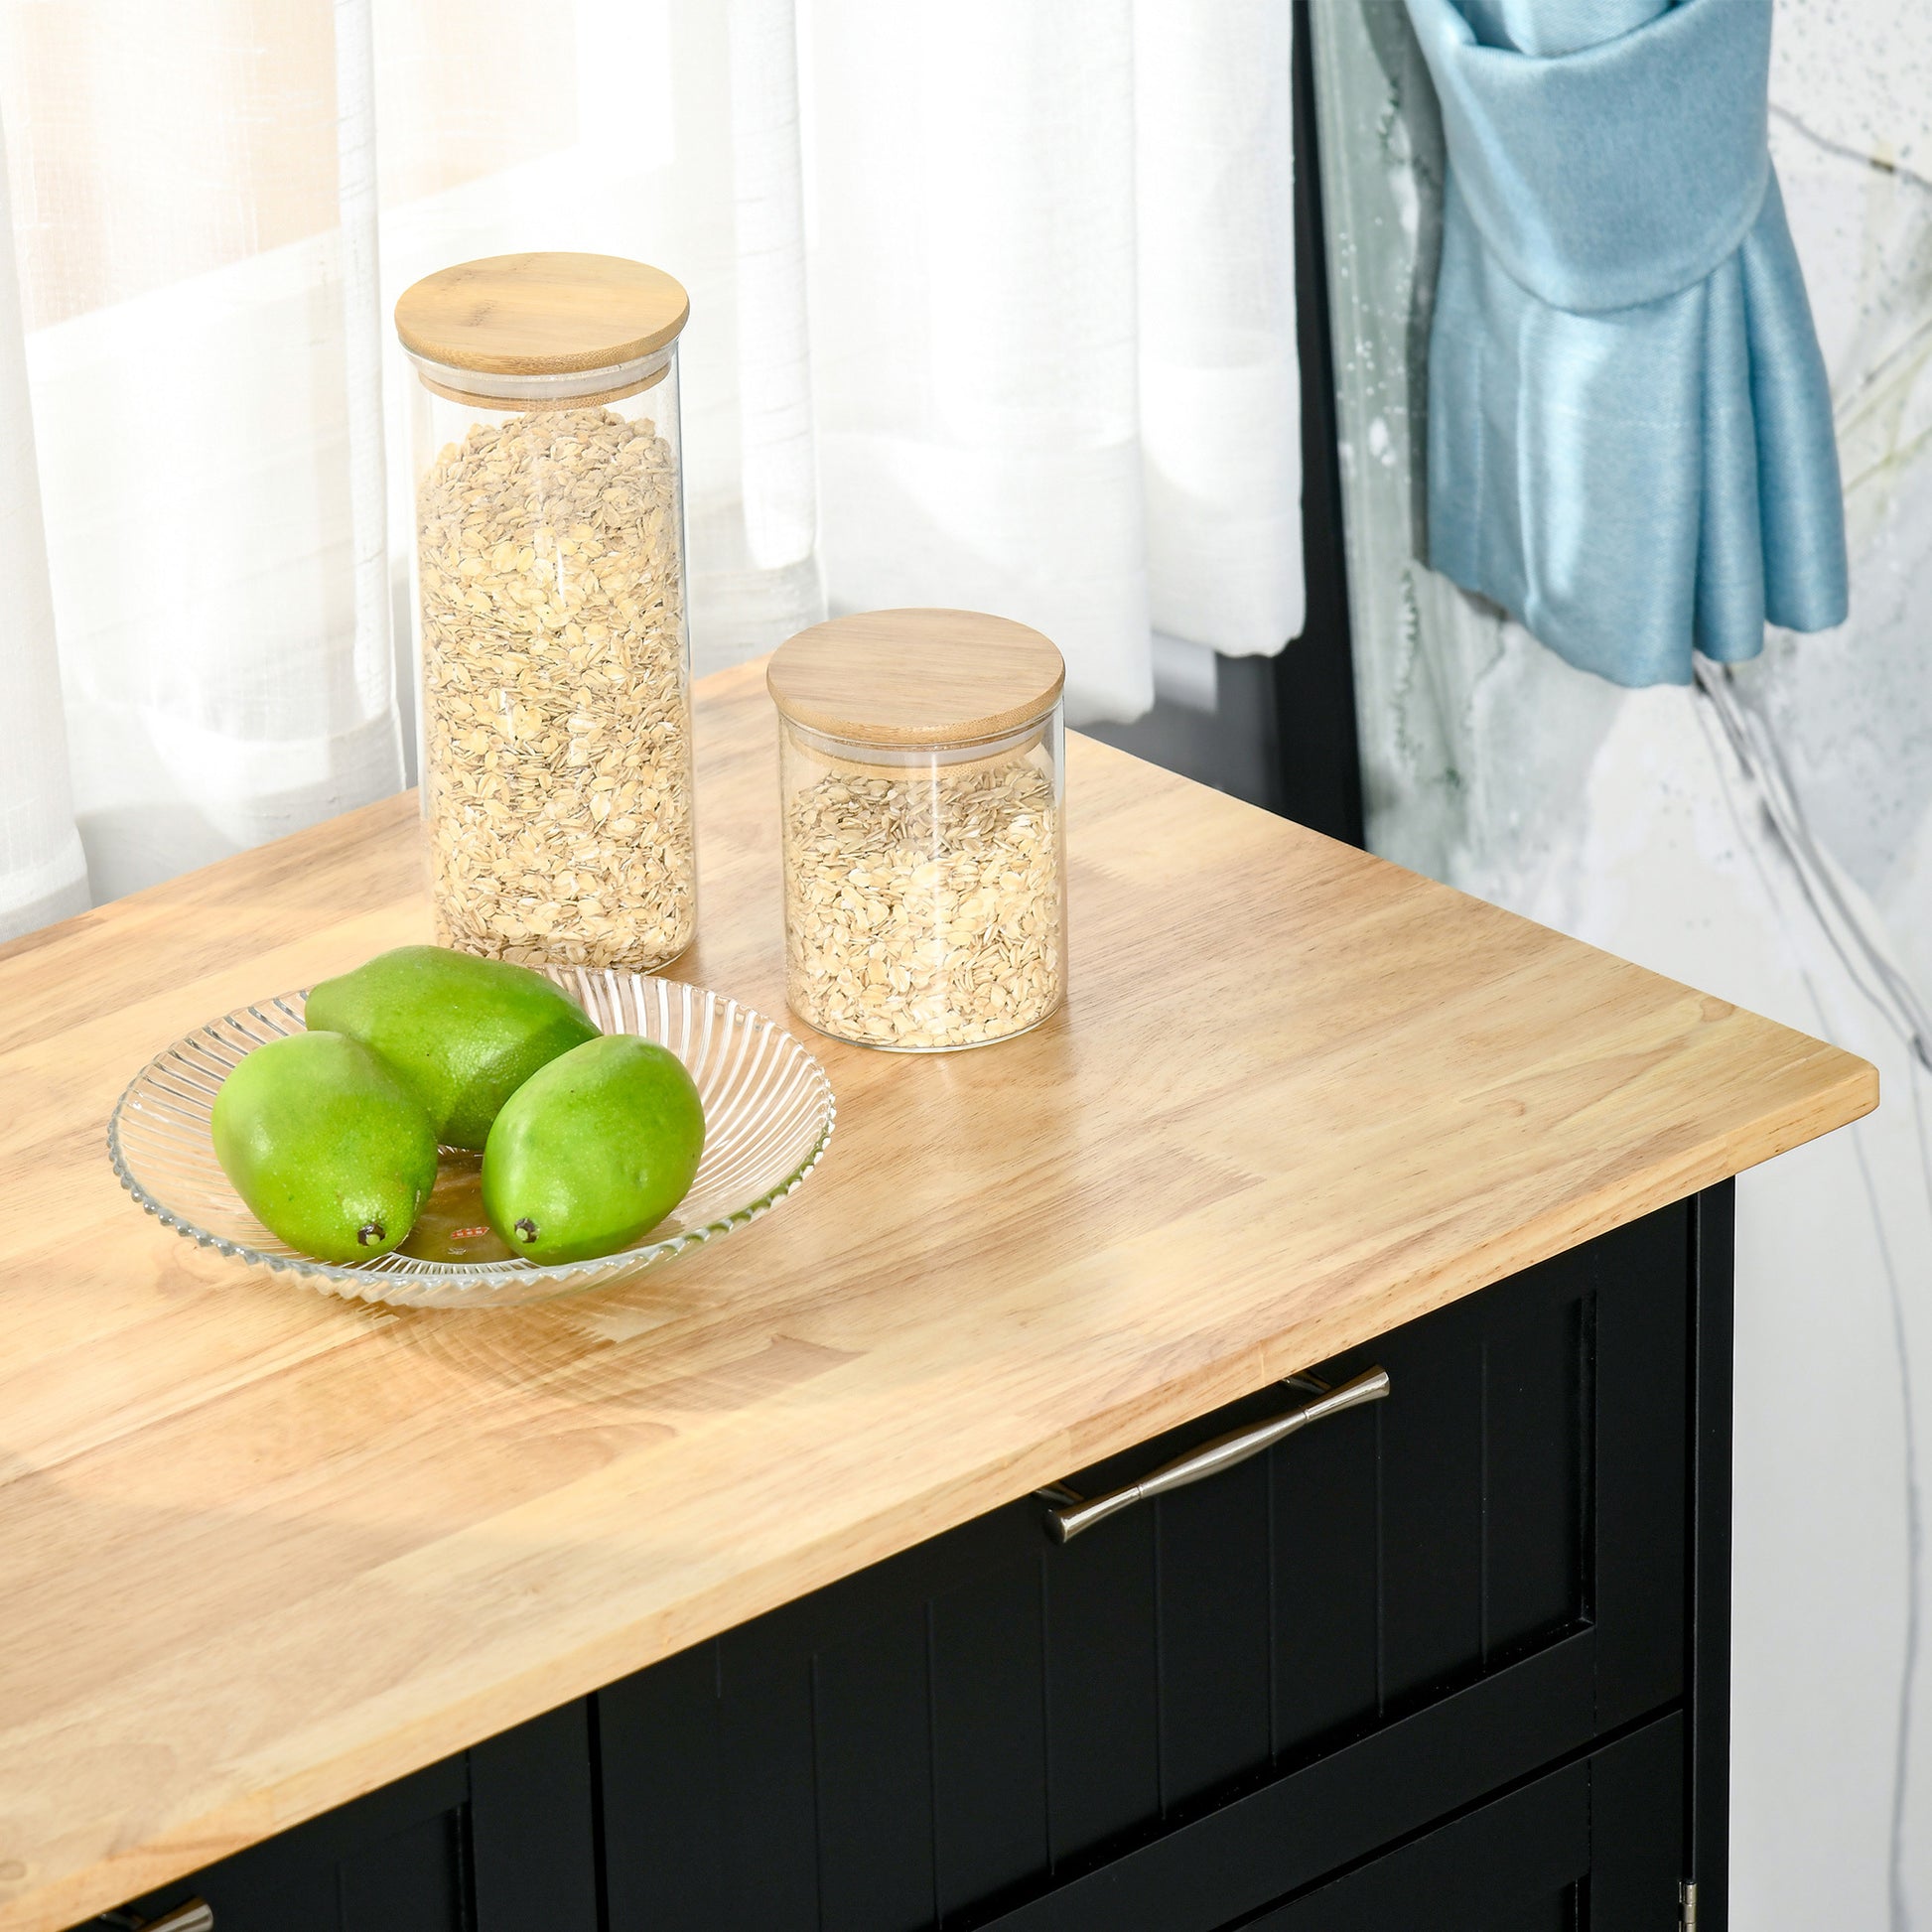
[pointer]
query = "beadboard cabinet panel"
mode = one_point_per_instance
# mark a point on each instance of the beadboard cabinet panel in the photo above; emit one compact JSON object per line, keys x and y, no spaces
{"x":1430,"y":1648}
{"x":1595,"y":1844}
{"x":498,"y":1838}
{"x":992,"y":1718}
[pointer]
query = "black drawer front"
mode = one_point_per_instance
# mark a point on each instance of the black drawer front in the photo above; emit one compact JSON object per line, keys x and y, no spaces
{"x":1497,"y":1552}
{"x":498,"y":1838}
{"x":1597,"y":1844}
{"x":1190,"y":1710}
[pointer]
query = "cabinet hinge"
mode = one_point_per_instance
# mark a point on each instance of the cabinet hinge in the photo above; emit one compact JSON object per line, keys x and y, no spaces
{"x":1686,"y":1906}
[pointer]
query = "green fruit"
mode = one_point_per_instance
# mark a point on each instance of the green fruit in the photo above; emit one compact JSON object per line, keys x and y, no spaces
{"x":329,"y":1145}
{"x":465,"y":1033}
{"x":593,"y":1151}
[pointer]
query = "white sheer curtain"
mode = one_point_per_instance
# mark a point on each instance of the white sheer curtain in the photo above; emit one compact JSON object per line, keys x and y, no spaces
{"x":42,"y":869}
{"x":1001,"y":303}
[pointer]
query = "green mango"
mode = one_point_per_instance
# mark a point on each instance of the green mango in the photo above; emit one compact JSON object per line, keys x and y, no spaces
{"x":466,"y":1033}
{"x":593,"y":1149}
{"x":327,"y":1143}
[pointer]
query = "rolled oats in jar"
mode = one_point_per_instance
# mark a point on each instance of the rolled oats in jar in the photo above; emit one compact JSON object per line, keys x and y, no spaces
{"x":555,"y":717}
{"x":921,"y":783}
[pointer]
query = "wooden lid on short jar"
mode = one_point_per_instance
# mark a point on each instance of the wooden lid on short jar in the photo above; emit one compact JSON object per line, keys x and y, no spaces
{"x":915,"y":677}
{"x":541,"y":315}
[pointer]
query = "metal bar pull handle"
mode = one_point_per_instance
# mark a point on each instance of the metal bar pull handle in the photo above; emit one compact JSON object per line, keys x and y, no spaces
{"x":195,"y":1915}
{"x":1070,"y":1514}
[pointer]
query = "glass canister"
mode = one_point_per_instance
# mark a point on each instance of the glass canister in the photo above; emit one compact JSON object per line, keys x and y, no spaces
{"x":921,"y":774}
{"x":555,"y":718}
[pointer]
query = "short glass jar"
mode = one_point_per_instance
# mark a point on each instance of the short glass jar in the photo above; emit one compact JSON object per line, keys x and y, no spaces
{"x":921,"y":774}
{"x":554,"y":727}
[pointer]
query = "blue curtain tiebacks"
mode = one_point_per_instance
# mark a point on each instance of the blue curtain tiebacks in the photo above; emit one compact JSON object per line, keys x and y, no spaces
{"x":1629,"y":427}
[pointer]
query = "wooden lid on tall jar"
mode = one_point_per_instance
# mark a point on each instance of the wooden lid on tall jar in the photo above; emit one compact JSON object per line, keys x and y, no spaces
{"x":915,"y":677}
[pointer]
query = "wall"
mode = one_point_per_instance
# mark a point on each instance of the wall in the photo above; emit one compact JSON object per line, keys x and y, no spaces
{"x":1629,"y":819}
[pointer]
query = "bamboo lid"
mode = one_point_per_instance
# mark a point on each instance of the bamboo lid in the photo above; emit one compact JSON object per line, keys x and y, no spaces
{"x":915,"y":677}
{"x":541,"y":315}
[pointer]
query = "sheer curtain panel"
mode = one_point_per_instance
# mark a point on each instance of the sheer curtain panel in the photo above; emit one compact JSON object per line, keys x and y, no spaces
{"x":42,"y":869}
{"x":992,"y":309}
{"x":1053,"y":312}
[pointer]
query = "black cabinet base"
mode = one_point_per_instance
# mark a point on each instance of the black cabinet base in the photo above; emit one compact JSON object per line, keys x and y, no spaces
{"x":498,"y":1838}
{"x":1456,"y":1659}
{"x":1597,"y":1844}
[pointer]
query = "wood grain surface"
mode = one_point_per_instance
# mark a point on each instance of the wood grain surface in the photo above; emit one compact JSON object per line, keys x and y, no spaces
{"x":915,"y":677}
{"x":261,"y":1551}
{"x":541,"y":314}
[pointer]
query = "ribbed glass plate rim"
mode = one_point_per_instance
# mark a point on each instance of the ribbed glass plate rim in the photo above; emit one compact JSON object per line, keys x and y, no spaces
{"x":404,"y":1280}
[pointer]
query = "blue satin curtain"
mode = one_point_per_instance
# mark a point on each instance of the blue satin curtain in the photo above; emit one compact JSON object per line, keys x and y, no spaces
{"x":1629,"y":429}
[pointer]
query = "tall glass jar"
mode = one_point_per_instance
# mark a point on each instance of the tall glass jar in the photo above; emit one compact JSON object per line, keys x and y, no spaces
{"x":554,"y":727}
{"x":921,"y":774}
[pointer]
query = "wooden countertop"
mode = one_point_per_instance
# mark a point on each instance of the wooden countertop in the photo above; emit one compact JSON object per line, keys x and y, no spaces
{"x":261,"y":1551}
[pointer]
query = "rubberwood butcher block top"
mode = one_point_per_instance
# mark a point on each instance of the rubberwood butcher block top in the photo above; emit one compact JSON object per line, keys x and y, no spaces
{"x":261,"y":1551}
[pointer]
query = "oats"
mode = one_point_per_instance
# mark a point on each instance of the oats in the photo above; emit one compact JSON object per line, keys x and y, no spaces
{"x":557,"y":724}
{"x":924,"y":910}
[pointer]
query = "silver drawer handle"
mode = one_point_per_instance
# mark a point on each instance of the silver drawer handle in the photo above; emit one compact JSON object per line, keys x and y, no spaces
{"x":1072,"y":1513}
{"x":195,"y":1916}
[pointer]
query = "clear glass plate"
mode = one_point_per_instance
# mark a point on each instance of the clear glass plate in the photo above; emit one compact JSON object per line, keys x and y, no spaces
{"x":768,"y":1113}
